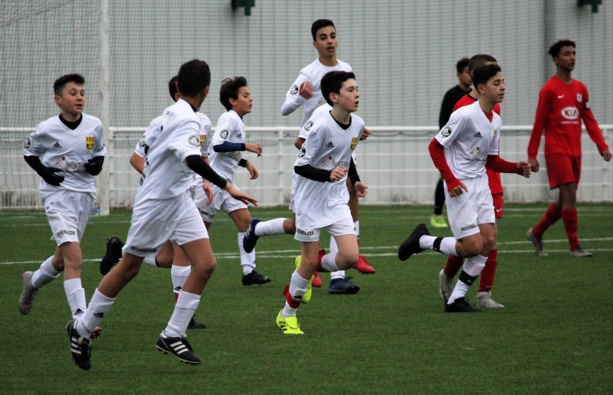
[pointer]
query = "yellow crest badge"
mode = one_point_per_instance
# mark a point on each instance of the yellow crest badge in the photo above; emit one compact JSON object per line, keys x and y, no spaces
{"x":354,"y":142}
{"x":90,"y":141}
{"x":202,"y":140}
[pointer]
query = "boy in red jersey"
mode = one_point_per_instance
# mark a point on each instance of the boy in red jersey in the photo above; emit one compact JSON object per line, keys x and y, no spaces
{"x":563,"y":103}
{"x":454,"y":263}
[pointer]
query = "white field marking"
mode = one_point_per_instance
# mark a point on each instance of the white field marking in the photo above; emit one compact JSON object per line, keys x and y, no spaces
{"x":291,"y":254}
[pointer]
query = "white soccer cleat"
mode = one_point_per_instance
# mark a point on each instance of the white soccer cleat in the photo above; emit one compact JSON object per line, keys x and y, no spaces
{"x":445,"y":286}
{"x":485,"y":301}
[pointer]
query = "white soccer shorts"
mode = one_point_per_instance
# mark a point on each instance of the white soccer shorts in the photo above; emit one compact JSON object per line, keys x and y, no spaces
{"x":67,"y":213}
{"x":467,"y":211}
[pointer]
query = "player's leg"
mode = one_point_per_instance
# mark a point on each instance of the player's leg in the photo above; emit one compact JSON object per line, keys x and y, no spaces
{"x":50,"y":269}
{"x":437,"y":220}
{"x":486,"y":281}
{"x":559,"y":171}
{"x":179,"y":272}
{"x":258,"y":228}
{"x":241,"y":218}
{"x":294,"y":292}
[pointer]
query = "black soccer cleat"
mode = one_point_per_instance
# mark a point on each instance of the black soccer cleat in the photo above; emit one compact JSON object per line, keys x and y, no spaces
{"x":80,"y":347}
{"x":250,"y":238}
{"x":255,"y":278}
{"x":179,"y":347}
{"x":193,"y":324}
{"x":112,"y":256}
{"x":460,"y":305}
{"x":342,"y":286}
{"x":411,"y":245}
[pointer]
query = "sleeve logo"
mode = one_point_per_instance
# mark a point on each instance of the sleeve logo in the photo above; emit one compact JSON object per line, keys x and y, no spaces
{"x":224,"y":134}
{"x":293,"y":90}
{"x":194,"y":140}
{"x":446,"y":131}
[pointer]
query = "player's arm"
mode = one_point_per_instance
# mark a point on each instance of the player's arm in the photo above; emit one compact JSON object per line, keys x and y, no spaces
{"x":593,"y":130}
{"x":354,"y":178}
{"x":94,"y":165}
{"x":540,"y":120}
{"x":496,"y":163}
{"x":49,"y":174}
{"x":137,"y":162}
{"x":437,"y":152}
{"x":300,"y":91}
{"x":253,"y":171}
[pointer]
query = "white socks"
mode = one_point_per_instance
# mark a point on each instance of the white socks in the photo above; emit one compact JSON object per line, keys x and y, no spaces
{"x":150,"y":260}
{"x":45,"y":274}
{"x":334,"y":274}
{"x":247,"y":260}
{"x":297,"y":288}
{"x":98,"y":306}
{"x":179,"y":274}
{"x":447,"y":246}
{"x":270,"y":228}
{"x":472,"y":267}
{"x":76,"y":297}
{"x":184,"y":311}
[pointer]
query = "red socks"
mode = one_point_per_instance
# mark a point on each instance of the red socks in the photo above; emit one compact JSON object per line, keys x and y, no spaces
{"x":489,"y":271}
{"x":571,"y":226}
{"x":552,"y":214}
{"x":453,"y":266}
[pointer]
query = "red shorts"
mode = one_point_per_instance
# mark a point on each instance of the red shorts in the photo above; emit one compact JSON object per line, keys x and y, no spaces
{"x":498,"y":204}
{"x":563,"y":169}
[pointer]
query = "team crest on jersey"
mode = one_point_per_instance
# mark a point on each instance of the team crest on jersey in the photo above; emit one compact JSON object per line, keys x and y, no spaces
{"x":308,"y":126}
{"x":224,"y":134}
{"x":293,"y":90}
{"x":194,"y":140}
{"x":202,"y":140}
{"x":354,"y":142}
{"x":27,"y":143}
{"x":446,"y":132}
{"x":90,"y":141}
{"x":579,"y":97}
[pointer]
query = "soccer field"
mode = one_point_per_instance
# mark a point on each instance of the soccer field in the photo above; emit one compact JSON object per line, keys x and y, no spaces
{"x":554,"y":336}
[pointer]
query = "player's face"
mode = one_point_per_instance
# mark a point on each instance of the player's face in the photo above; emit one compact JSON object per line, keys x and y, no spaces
{"x":494,"y":89}
{"x":325,"y":42}
{"x":242,"y":105}
{"x":464,"y":77}
{"x":566,"y":59}
{"x":72,"y":99}
{"x":349,"y":97}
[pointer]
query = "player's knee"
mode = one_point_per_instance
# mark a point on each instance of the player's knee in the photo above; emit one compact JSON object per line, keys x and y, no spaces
{"x":347,"y":260}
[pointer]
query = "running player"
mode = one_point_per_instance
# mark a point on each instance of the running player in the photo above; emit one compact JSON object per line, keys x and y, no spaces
{"x":67,"y":151}
{"x":164,"y":210}
{"x":461,"y":151}
{"x":320,"y":194}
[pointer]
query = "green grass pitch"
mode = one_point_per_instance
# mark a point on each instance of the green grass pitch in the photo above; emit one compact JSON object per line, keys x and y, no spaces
{"x":555,"y":334}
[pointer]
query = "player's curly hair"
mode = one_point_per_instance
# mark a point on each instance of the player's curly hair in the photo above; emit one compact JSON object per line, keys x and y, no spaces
{"x":554,"y":50}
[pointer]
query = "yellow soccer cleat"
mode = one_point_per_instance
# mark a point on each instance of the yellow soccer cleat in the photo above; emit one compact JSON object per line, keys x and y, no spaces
{"x":309,"y":291}
{"x":438,"y":221}
{"x":289,"y":325}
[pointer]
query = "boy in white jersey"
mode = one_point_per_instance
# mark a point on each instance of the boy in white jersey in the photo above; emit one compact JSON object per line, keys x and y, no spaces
{"x":170,"y":256}
{"x":164,"y":210}
{"x":306,"y":92}
{"x":461,"y":151}
{"x":320,"y":193}
{"x":67,"y":151}
{"x":225,"y":156}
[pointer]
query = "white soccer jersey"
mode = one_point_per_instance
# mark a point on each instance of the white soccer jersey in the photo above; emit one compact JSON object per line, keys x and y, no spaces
{"x":469,"y":137}
{"x":305,"y":129}
{"x":328,"y":146}
{"x":312,"y":73}
{"x":179,"y":137}
{"x":230,"y":127}
{"x":61,"y":147}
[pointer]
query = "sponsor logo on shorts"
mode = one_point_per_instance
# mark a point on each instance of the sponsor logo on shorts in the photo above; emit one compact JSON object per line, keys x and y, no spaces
{"x":465,"y":228}
{"x":145,"y":250}
{"x":305,"y":232}
{"x":66,"y":232}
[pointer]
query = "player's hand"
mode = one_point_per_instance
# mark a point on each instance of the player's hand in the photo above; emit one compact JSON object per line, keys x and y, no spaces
{"x":606,"y":155}
{"x":360,"y":189}
{"x":49,"y":174}
{"x":457,"y":191}
{"x":534,"y":163}
{"x":255,"y":148}
{"x":337,"y":174}
{"x":253,"y":172}
{"x":365,"y":134}
{"x":208,"y":191}
{"x":524,"y":168}
{"x":243,"y":197}
{"x":306,"y":90}
{"x":93,"y":167}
